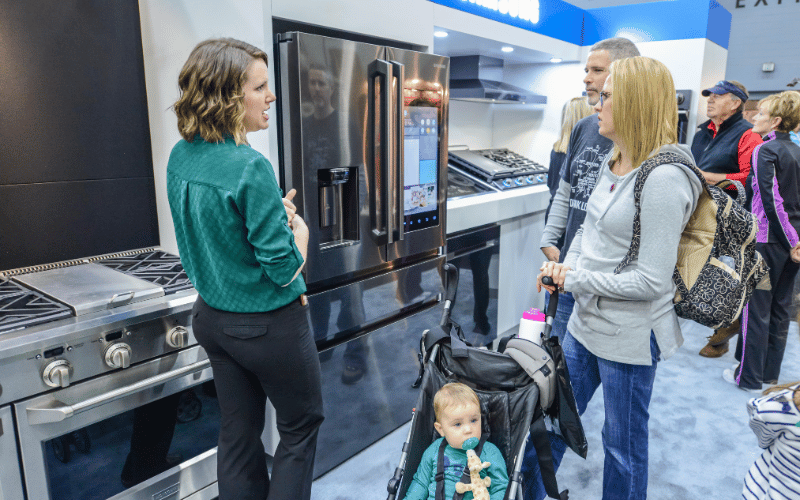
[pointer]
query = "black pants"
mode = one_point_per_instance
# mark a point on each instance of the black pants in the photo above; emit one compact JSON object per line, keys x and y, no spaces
{"x":761,"y":353}
{"x":256,"y":356}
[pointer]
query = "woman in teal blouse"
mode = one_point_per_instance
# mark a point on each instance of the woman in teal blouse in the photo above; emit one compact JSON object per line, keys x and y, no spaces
{"x":243,"y":247}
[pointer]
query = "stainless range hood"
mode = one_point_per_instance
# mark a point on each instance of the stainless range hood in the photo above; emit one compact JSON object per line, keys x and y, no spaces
{"x":479,"y":78}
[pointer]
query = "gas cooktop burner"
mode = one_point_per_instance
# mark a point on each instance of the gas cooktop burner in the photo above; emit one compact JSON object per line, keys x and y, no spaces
{"x":157,"y":267}
{"x":20,"y":307}
{"x":509,"y":159}
{"x":501,"y":168}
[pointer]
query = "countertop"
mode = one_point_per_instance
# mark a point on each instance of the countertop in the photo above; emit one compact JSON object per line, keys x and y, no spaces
{"x":477,"y":210}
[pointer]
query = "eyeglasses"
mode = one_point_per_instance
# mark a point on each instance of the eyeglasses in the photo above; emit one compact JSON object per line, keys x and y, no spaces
{"x":603,"y":97}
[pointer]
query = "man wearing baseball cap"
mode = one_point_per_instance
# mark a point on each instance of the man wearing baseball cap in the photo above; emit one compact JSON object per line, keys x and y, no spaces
{"x":723,"y":149}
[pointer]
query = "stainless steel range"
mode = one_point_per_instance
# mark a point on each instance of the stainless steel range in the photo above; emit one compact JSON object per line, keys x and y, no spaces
{"x":103,"y":382}
{"x":500,"y":168}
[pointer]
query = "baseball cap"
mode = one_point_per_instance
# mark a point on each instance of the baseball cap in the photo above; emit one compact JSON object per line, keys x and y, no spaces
{"x":725,"y":87}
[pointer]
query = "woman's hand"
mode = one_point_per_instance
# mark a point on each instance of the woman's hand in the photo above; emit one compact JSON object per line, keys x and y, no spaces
{"x":795,"y":253}
{"x":299,"y":229}
{"x":300,"y":232}
{"x":555,"y":270}
{"x":291,"y":210}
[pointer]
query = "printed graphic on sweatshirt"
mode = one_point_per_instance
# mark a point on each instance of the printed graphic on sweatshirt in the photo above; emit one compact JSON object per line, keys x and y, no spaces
{"x":453,"y":469}
{"x":585,"y":170}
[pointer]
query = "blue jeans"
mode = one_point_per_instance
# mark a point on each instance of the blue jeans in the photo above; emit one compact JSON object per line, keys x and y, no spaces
{"x":626,"y":394}
{"x":565,"y":305}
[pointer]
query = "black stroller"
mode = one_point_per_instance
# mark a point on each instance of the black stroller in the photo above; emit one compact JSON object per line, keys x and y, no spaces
{"x":509,"y":400}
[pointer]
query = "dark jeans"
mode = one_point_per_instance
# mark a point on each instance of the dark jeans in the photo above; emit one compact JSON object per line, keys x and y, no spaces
{"x":761,"y":345}
{"x":626,"y":394}
{"x":256,"y":356}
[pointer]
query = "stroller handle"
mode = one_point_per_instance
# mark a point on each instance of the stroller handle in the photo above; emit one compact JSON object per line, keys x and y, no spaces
{"x":450,"y":287}
{"x":552,"y":306}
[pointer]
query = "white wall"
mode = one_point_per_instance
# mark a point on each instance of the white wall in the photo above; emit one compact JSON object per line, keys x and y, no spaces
{"x":470,"y":124}
{"x":531,"y":130}
{"x":170,"y":30}
{"x":766,"y":33}
{"x":695,"y":64}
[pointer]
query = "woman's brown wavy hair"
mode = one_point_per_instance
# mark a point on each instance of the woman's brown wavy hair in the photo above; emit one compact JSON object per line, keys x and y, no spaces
{"x":211,"y":103}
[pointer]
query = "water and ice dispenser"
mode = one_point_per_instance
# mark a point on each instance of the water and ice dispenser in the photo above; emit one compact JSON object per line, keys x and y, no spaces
{"x":338,"y":206}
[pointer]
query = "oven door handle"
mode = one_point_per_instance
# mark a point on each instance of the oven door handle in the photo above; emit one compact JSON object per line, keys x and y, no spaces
{"x":56,"y":411}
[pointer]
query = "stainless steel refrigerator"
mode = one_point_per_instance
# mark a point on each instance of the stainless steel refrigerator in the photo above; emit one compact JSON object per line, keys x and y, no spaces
{"x":363,"y":139}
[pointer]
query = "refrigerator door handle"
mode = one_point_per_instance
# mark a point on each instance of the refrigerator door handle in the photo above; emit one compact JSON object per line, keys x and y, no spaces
{"x":399,"y":170}
{"x":382,"y":227}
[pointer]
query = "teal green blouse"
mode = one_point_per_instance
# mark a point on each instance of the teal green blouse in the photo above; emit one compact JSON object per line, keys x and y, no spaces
{"x":231,"y":227}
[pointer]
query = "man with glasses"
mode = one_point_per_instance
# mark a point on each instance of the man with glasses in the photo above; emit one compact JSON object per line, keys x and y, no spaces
{"x":723,"y":149}
{"x":585,"y":154}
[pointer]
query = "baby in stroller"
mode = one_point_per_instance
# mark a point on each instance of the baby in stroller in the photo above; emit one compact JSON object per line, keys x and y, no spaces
{"x":458,"y":418}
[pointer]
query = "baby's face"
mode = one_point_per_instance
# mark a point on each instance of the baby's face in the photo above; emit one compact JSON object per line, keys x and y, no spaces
{"x":459,"y":423}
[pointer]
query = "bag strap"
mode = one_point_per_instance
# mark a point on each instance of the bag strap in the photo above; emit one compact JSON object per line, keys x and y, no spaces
{"x":541,"y":443}
{"x":741,"y":195}
{"x":451,"y":331}
{"x":440,"y":471}
{"x":641,"y":177}
{"x":439,"y":477}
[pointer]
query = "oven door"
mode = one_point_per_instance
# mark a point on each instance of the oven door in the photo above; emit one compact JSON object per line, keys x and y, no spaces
{"x":149,"y":431}
{"x":10,"y":477}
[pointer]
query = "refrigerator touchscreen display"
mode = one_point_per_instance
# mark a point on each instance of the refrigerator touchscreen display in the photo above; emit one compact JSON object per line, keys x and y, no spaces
{"x":421,"y":159}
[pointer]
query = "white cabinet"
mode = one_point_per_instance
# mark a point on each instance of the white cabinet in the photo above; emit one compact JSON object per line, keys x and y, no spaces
{"x":520,"y":214}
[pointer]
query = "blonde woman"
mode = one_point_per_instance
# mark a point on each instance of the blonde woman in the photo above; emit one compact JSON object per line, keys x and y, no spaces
{"x":623,"y":323}
{"x":243,"y":248}
{"x":573,"y":111}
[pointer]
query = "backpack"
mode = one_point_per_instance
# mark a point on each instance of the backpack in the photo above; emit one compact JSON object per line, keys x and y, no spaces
{"x":718,"y":266}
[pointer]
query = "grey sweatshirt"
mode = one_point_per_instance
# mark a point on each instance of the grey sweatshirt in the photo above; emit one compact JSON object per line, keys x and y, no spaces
{"x":614,"y":313}
{"x":585,"y":154}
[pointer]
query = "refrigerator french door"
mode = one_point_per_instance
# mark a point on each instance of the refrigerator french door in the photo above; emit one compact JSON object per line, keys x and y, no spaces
{"x":363,"y":140}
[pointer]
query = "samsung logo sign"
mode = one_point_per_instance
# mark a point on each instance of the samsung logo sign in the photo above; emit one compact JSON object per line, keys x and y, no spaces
{"x":526,"y":10}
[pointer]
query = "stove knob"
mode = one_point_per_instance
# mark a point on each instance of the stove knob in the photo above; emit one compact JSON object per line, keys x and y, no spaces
{"x":508,"y":183}
{"x":178,"y":337}
{"x":542,"y":177}
{"x":56,"y":374}
{"x":519,"y":181}
{"x":531,"y":179}
{"x":118,"y":355}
